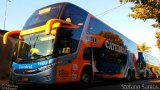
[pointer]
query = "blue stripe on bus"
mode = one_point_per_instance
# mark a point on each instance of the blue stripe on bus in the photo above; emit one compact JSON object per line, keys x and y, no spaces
{"x":29,"y":66}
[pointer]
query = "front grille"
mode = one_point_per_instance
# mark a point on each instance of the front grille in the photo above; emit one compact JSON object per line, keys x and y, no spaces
{"x":19,"y":71}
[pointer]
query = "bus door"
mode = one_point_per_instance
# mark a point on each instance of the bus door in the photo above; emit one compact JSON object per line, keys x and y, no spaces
{"x":91,"y":52}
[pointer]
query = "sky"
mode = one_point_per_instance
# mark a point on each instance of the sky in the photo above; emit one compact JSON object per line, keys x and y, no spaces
{"x":18,"y":11}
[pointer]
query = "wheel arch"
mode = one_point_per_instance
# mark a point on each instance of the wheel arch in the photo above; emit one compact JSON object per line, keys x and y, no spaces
{"x":86,"y":67}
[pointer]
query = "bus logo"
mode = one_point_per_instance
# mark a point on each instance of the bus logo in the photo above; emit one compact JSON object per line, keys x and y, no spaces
{"x":25,"y":67}
{"x":92,"y":39}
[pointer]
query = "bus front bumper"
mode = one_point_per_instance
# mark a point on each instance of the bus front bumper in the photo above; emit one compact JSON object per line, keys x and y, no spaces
{"x":43,"y":77}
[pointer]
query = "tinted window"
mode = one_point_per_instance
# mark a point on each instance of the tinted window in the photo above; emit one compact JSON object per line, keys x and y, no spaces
{"x":113,"y":49}
{"x":68,"y":39}
{"x":96,"y":27}
{"x":88,"y":53}
{"x":150,"y":59}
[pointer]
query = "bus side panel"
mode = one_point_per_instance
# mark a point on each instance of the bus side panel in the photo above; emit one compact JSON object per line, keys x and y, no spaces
{"x":108,"y":46}
{"x":63,"y":73}
{"x":70,"y":72}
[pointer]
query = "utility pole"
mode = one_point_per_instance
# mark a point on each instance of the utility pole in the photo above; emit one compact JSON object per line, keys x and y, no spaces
{"x":5,"y":13}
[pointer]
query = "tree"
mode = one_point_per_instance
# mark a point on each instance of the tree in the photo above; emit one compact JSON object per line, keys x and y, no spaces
{"x":158,"y":39}
{"x":111,"y":37}
{"x":143,"y":48}
{"x":147,"y":9}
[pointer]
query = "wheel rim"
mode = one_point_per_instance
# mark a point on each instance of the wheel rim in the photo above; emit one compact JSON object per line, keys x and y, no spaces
{"x":85,"y":78}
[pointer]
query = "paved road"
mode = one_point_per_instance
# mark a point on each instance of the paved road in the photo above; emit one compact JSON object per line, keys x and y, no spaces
{"x":149,"y":84}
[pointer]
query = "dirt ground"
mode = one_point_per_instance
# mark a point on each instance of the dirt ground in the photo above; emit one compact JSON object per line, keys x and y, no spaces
{"x":3,"y":82}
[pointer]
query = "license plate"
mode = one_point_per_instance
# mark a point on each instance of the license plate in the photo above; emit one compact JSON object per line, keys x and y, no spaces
{"x":24,"y":79}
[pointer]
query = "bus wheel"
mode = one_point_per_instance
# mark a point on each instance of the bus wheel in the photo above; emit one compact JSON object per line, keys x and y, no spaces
{"x":133,"y":76}
{"x":147,"y":74}
{"x":129,"y":76}
{"x":86,"y":77}
{"x":156,"y":75}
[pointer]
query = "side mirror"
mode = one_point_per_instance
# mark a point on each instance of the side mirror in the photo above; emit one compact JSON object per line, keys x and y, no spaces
{"x":5,"y":37}
{"x":54,"y":23}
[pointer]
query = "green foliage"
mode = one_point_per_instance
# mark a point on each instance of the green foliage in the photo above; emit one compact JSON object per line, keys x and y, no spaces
{"x":145,"y":9}
{"x":158,"y":39}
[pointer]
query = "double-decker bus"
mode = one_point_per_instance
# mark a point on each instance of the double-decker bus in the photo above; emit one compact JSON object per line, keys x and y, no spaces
{"x":63,"y":43}
{"x":149,"y":66}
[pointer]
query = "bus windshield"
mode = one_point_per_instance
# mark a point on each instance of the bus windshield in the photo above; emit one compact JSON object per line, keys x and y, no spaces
{"x":35,"y":46}
{"x":41,"y":16}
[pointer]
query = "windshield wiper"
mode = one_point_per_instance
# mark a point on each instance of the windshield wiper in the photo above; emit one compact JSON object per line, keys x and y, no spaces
{"x":45,"y":56}
{"x":35,"y":42}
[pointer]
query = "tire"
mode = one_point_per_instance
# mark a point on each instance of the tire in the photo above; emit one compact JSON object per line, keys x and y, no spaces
{"x":147,"y":74}
{"x":86,"y":77}
{"x":129,"y":78}
{"x":143,"y":75}
{"x":133,"y":76}
{"x":156,"y":75}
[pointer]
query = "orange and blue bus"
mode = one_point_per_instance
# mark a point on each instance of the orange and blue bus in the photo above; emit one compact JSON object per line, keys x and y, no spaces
{"x":63,"y":43}
{"x":149,"y":66}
